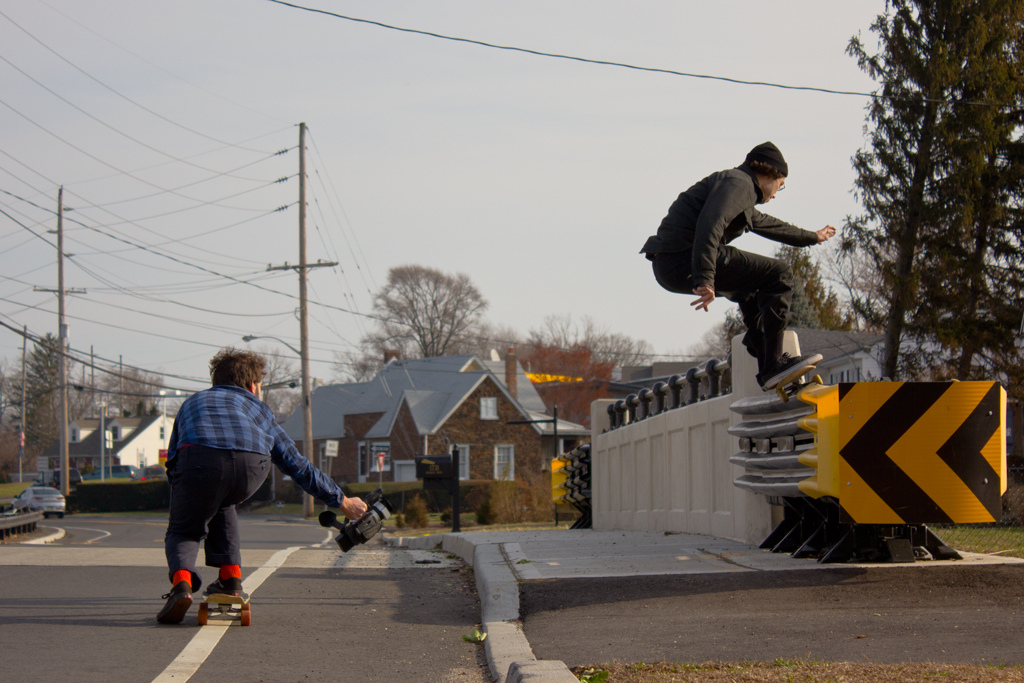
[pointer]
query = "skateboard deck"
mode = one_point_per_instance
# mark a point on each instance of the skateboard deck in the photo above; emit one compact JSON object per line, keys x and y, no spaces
{"x":225,"y":607}
{"x":790,"y":384}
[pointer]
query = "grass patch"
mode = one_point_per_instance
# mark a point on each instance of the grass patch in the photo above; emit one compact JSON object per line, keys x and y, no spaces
{"x":785,"y":670}
{"x":8,"y":491}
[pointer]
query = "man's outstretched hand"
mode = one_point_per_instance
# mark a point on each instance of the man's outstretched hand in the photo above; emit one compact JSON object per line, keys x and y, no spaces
{"x":353,"y":507}
{"x":706,"y":294}
{"x":825,"y":233}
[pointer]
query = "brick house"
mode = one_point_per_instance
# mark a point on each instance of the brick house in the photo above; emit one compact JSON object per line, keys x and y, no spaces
{"x":488,"y":410}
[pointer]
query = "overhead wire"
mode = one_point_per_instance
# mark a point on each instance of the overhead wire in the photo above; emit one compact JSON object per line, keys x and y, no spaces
{"x":116,"y":92}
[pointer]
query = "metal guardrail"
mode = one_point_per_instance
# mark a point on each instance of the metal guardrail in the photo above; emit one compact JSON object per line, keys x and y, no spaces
{"x":577,"y":484}
{"x":19,"y":523}
{"x":678,"y":392}
{"x":770,"y":442}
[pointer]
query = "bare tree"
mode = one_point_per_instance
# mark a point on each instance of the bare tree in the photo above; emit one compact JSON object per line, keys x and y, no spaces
{"x":280,"y":381}
{"x":605,"y":347}
{"x":421,"y":313}
{"x":130,"y":391}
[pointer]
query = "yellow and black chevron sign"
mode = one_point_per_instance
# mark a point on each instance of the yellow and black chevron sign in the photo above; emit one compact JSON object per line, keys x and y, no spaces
{"x":921,"y":452}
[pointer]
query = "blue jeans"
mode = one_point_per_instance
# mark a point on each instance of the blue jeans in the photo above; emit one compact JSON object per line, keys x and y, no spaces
{"x":206,"y":484}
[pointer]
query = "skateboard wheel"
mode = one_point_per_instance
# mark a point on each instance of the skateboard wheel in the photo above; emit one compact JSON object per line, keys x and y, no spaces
{"x":246,"y":615}
{"x":204,"y":613}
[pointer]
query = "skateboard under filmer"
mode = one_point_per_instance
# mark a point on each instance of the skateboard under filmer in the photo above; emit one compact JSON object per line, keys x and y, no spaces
{"x":226,"y":607}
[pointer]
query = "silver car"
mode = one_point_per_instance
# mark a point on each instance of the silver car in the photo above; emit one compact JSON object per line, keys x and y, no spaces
{"x":44,"y":498}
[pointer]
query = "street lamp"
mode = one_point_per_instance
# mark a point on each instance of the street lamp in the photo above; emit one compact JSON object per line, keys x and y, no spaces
{"x":307,"y":414}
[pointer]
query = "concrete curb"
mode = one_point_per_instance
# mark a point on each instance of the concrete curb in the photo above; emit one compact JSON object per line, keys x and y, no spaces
{"x":50,"y":538}
{"x":509,"y":654}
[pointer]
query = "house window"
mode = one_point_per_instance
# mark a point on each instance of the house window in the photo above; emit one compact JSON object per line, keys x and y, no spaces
{"x":463,"y":451}
{"x":489,"y":408}
{"x":505,"y":462}
{"x":75,"y":435}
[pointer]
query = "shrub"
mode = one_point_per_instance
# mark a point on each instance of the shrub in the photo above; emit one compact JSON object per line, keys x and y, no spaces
{"x":484,"y":512}
{"x":446,"y":516}
{"x":400,"y":520}
{"x":416,"y":512}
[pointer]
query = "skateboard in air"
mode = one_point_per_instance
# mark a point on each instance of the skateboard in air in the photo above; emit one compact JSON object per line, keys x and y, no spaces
{"x":791,"y":383}
{"x":225,"y":607}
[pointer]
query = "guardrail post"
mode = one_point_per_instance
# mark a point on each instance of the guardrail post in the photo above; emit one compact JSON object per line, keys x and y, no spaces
{"x":660,"y":394}
{"x":632,"y":403}
{"x":694,"y":383}
{"x":645,"y":397}
{"x":714,"y":377}
{"x":675,"y":385}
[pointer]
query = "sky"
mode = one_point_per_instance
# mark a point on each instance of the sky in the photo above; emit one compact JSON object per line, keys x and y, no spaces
{"x":173,"y":130}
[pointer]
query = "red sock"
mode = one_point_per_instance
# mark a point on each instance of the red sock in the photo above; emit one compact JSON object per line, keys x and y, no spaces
{"x":182,"y":575}
{"x":230,"y":571}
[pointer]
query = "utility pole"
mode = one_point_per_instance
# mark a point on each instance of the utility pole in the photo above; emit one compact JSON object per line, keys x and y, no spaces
{"x":62,"y":340}
{"x":307,"y":408}
{"x":62,"y":359}
{"x":21,"y":427}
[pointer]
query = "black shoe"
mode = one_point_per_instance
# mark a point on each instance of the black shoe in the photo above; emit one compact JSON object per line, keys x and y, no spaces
{"x":232,"y":586}
{"x":785,"y":366}
{"x":178,"y":602}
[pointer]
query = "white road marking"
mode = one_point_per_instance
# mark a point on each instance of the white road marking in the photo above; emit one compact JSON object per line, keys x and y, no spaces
{"x":202,"y":644}
{"x":326,"y":541}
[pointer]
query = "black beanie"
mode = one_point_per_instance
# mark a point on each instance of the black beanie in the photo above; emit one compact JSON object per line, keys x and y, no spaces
{"x":768,"y":153}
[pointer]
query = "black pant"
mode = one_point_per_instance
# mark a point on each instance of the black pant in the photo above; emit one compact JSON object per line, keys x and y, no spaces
{"x":206,"y":484}
{"x":762,"y":286}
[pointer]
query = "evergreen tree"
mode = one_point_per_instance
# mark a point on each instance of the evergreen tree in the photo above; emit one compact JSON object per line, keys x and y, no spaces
{"x":940,"y":182}
{"x":814,"y":305}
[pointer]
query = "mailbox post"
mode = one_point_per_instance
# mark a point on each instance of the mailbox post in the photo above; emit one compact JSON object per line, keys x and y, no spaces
{"x":441,"y":473}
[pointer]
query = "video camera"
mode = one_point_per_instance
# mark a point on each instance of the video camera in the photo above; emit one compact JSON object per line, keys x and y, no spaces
{"x":355,"y":532}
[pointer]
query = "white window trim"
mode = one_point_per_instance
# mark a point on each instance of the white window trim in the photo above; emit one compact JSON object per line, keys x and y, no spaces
{"x":499,"y":473}
{"x":488,"y":414}
{"x":463,"y":451}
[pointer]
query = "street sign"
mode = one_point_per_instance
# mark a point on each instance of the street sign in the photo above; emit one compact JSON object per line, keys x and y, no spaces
{"x":331,"y":448}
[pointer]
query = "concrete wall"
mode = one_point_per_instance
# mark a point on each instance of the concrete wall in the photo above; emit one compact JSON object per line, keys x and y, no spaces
{"x":671,"y":472}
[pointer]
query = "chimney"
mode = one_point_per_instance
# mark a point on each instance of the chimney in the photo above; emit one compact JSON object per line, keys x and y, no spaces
{"x":390,"y":355}
{"x":511,"y":373}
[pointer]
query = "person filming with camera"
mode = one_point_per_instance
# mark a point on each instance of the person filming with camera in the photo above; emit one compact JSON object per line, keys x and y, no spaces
{"x":221,"y":447}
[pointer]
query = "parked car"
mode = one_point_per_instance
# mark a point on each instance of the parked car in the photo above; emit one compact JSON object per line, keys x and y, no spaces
{"x":154,"y":472}
{"x":115,"y":472}
{"x":52,"y":478}
{"x":44,"y":498}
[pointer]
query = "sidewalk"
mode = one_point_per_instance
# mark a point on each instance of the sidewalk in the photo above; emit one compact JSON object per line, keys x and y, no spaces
{"x":502,"y":560}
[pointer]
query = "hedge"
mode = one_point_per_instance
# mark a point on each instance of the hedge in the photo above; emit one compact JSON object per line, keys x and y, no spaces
{"x":122,"y":496}
{"x":471,"y":494}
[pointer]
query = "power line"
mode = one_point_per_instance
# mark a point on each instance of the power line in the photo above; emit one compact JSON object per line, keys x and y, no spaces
{"x":622,"y":65}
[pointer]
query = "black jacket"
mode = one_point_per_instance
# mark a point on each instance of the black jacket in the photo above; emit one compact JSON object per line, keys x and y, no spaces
{"x":715,"y":211}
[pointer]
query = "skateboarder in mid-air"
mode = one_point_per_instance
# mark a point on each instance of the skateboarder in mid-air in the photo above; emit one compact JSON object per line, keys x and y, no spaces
{"x":690,"y":253}
{"x":222,"y":444}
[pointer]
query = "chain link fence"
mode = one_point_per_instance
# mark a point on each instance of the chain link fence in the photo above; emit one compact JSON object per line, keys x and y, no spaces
{"x":1005,"y":537}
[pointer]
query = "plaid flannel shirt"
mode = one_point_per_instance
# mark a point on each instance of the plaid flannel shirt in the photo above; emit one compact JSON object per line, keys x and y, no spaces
{"x":232,"y":418}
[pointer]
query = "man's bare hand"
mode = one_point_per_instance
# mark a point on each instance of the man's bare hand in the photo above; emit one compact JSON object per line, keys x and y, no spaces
{"x":353,"y":507}
{"x":825,"y":233}
{"x":706,"y":294}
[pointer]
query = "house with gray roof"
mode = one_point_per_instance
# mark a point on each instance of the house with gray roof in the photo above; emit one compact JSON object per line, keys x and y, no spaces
{"x":140,"y":441}
{"x":487,"y":411}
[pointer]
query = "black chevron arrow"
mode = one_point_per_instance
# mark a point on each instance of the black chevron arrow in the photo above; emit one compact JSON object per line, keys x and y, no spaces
{"x":962,"y":452}
{"x":866,"y":453}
